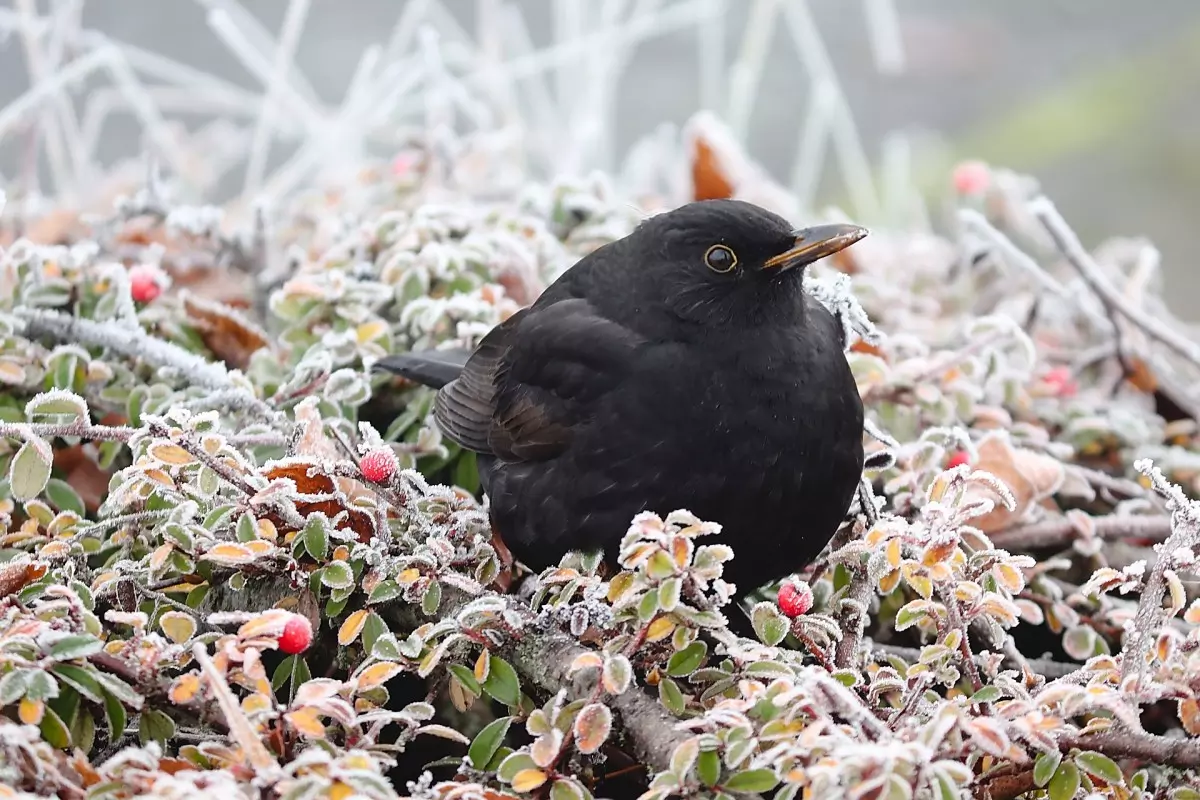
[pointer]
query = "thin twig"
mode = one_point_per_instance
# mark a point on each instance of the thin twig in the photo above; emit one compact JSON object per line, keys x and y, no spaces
{"x":1078,"y":257}
{"x":1061,"y":531}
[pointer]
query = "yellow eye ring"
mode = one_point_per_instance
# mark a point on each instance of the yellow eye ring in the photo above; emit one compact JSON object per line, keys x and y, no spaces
{"x":720,"y":258}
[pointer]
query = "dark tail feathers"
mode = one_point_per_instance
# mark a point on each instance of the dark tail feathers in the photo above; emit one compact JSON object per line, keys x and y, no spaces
{"x":434,"y":368}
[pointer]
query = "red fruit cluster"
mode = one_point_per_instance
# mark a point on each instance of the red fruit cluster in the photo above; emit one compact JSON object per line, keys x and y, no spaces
{"x":795,"y":598}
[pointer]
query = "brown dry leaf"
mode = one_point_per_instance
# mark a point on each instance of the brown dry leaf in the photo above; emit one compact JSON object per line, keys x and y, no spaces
{"x":86,"y":477}
{"x":60,"y":226}
{"x":319,"y":484}
{"x":708,"y":180}
{"x":720,"y":168}
{"x":314,"y":442}
{"x":17,"y":574}
{"x":1031,"y":477}
{"x":225,"y":331}
{"x":1141,"y":376}
{"x":504,"y":578}
{"x":1189,"y":715}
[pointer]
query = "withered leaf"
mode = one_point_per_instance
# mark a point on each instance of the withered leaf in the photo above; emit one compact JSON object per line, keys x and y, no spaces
{"x":226,"y":332}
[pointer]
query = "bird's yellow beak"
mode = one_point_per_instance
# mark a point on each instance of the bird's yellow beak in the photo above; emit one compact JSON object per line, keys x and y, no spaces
{"x":815,"y":243}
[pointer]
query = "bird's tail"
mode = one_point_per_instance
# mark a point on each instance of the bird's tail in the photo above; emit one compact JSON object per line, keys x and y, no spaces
{"x":434,"y":368}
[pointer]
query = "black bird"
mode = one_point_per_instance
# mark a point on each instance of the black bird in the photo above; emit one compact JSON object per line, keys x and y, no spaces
{"x":682,"y":366}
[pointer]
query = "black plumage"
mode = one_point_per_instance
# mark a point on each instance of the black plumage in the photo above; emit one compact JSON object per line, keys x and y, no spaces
{"x":682,"y":366}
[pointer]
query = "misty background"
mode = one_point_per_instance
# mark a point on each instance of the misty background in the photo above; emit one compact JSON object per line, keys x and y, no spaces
{"x":1099,"y":100}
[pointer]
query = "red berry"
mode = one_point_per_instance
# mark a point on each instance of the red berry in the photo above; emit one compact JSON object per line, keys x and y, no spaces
{"x":972,"y":177}
{"x":143,"y":283}
{"x":957,"y":458}
{"x":1059,"y":379}
{"x":795,"y":598}
{"x":296,"y":636}
{"x":378,"y":465}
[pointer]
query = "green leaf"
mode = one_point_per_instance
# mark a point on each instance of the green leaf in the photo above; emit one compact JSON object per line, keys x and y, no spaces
{"x":485,"y":745}
{"x":988,"y":694}
{"x":13,"y":686}
{"x":1065,"y":782}
{"x":432,"y":598}
{"x":122,"y":690}
{"x":282,"y":673}
{"x":502,"y":683}
{"x":373,"y":628}
{"x":30,"y":470}
{"x":752,"y":780}
{"x":687,"y":660}
{"x":41,"y":686}
{"x":1045,"y":766}
{"x":566,"y":789}
{"x":708,"y":767}
{"x":770,"y":626}
{"x":670,"y":696}
{"x":54,"y":730}
{"x":1100,"y":766}
{"x":246,"y":530}
{"x":383,"y":592}
{"x":648,"y":606}
{"x":300,"y":676}
{"x":63,"y":497}
{"x":115,"y":716}
{"x":467,"y":678}
{"x":72,"y":647}
{"x":337,"y":575}
{"x":57,"y":407}
{"x":316,"y":538}
{"x":80,"y":680}
{"x":83,"y":730}
{"x":516,"y":762}
{"x":155,"y":726}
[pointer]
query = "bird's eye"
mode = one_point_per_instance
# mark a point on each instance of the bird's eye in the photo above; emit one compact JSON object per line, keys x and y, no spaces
{"x":720,"y":258}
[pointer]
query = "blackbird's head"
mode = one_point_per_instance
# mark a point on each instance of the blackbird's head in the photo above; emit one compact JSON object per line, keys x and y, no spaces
{"x":717,"y":263}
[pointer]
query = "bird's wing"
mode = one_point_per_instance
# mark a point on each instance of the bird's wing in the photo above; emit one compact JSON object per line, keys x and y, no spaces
{"x":533,"y":379}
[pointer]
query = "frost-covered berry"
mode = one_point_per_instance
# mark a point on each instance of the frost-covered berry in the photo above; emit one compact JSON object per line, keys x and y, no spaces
{"x":795,"y":598}
{"x":143,"y":283}
{"x":297,"y":635}
{"x":378,"y":464}
{"x":971,"y":177}
{"x":957,"y":459}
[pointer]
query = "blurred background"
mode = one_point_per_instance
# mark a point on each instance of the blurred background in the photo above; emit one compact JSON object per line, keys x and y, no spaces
{"x":1099,"y":100}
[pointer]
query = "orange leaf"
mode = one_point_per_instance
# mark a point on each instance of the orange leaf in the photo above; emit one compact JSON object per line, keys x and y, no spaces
{"x":1189,"y":715}
{"x":592,"y":726}
{"x":31,"y":711}
{"x":19,"y":573}
{"x":660,"y":629}
{"x":377,"y":675}
{"x":306,"y":723}
{"x":230,"y":554}
{"x":172,"y":454}
{"x":528,"y":779}
{"x":184,"y":689}
{"x":352,"y":627}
